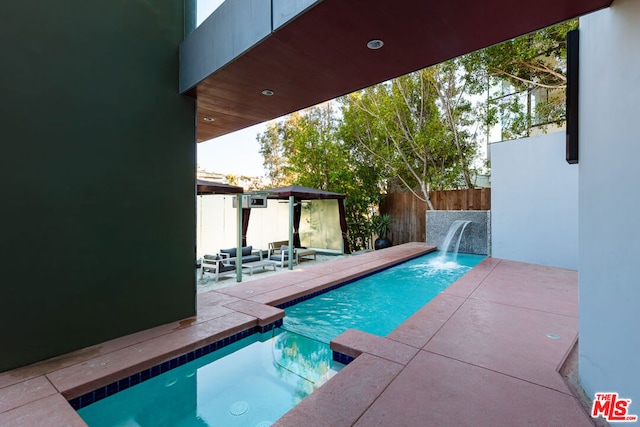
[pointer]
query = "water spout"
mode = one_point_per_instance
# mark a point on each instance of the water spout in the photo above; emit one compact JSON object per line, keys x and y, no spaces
{"x":450,"y":235}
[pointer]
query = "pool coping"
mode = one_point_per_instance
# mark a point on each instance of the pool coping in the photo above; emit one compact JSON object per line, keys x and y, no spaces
{"x":386,"y":372}
{"x":120,"y":385}
{"x":29,"y":393}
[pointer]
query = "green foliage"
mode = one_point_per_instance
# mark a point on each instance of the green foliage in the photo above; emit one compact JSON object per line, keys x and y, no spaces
{"x":273,"y":151}
{"x":306,"y":149}
{"x":413,"y":129}
{"x":531,"y":74}
{"x":381,"y":224}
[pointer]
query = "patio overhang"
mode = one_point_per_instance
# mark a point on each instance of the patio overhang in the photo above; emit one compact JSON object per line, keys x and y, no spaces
{"x":310,"y":51}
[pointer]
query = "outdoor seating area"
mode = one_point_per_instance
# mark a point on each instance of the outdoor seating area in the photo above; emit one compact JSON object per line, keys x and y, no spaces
{"x":223,"y":263}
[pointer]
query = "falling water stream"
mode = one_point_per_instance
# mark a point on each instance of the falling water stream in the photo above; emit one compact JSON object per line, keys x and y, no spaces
{"x":457,"y":224}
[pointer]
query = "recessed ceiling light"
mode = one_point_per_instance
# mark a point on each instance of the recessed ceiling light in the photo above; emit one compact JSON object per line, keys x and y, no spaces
{"x":375,"y":44}
{"x":267,"y":92}
{"x":208,"y":119}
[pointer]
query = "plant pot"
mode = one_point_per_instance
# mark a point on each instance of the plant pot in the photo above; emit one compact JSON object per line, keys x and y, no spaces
{"x":382,"y":242}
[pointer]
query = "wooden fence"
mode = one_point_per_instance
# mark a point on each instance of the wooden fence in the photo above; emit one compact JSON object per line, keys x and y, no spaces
{"x":408,"y":212}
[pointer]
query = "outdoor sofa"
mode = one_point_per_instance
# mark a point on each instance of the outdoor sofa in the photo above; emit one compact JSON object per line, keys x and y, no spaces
{"x":248,"y":254}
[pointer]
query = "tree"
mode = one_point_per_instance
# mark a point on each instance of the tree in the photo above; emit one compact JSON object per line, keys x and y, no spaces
{"x":305,"y":149}
{"x":529,"y":73}
{"x":315,"y":157}
{"x":450,"y":83}
{"x":273,"y":151}
{"x":412,"y":128}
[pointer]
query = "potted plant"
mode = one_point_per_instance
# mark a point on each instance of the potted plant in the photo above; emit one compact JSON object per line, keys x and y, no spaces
{"x":381,"y":226}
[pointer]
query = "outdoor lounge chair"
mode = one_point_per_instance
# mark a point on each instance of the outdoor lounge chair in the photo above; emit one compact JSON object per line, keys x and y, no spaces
{"x":280,"y":255}
{"x":216,"y":264}
{"x":276,"y":245}
{"x":275,"y":248}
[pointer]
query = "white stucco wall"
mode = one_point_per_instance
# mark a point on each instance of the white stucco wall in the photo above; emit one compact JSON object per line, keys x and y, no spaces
{"x":609,"y":346}
{"x":534,"y":202}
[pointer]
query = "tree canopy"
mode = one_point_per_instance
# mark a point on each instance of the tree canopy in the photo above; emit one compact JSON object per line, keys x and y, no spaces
{"x":526,"y":79}
{"x":305,"y":149}
{"x":412,"y":129}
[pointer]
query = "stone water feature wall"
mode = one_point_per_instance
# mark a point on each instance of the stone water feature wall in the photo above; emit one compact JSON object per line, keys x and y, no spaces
{"x":477,"y":235}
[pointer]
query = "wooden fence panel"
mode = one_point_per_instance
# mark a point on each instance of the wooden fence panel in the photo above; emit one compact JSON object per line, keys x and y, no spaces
{"x":407,"y":223}
{"x":408,"y":212}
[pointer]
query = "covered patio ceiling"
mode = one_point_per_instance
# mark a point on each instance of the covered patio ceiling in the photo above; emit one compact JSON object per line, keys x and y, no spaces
{"x":321,"y":52}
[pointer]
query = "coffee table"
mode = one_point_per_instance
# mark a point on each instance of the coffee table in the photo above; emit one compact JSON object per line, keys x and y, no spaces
{"x":257,"y":264}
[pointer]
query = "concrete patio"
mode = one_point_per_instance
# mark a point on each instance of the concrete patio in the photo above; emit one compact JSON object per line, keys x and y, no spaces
{"x":487,"y":351}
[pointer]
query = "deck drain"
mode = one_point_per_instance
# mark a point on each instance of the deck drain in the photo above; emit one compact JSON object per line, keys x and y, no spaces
{"x":553,"y":336}
{"x":238,"y":408}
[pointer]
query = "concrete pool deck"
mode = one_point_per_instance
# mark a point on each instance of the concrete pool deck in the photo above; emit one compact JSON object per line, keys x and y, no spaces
{"x":478,"y":354}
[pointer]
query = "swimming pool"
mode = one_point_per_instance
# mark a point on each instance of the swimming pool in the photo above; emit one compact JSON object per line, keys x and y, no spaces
{"x":259,"y":378}
{"x":378,"y":303}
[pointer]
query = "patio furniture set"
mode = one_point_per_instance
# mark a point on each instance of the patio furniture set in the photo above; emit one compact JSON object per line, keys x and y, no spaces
{"x":224,"y":262}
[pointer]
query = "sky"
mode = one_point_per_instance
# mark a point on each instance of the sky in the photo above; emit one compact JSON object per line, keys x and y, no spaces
{"x":236,"y":153}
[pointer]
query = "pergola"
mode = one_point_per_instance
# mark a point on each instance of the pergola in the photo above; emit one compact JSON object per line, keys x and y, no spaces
{"x":296,"y":194}
{"x":209,"y":187}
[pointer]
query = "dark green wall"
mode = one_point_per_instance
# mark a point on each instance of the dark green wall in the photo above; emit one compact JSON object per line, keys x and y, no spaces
{"x":97,"y":159}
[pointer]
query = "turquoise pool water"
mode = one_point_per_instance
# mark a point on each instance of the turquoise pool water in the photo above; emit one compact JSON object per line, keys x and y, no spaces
{"x":256,"y":380}
{"x":379,"y":303}
{"x":252,"y":382}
